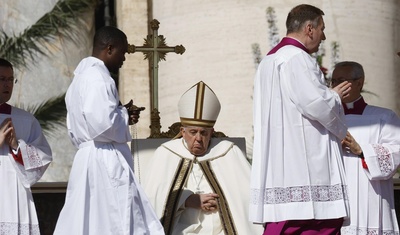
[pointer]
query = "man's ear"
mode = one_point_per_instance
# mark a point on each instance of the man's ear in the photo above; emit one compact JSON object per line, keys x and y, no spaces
{"x":309,"y":29}
{"x":109,"y":49}
{"x":360,"y":83}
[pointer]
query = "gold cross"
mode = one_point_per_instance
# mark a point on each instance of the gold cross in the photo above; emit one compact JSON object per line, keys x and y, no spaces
{"x":155,"y":50}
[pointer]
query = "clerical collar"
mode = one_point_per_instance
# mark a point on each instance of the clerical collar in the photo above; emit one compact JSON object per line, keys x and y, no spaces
{"x":288,"y":41}
{"x":355,"y":107}
{"x":5,"y":108}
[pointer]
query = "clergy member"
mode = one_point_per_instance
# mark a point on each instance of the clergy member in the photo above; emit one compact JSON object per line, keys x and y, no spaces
{"x":199,"y":184}
{"x":298,"y":181}
{"x":371,"y":162}
{"x":103,"y":195}
{"x":24,"y":157}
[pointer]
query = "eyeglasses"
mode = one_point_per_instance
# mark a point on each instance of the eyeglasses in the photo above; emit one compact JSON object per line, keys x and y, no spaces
{"x":338,"y":81}
{"x":4,"y":80}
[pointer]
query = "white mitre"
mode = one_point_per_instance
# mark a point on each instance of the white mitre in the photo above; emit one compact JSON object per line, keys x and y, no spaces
{"x":199,"y":106}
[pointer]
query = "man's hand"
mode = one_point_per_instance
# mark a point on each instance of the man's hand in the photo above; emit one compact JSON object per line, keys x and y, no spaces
{"x":343,"y":89}
{"x":351,"y":144}
{"x":206,"y":202}
{"x":133,"y":112}
{"x":7,"y":134}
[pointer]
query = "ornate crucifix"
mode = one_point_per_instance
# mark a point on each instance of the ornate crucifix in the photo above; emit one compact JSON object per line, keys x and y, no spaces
{"x":155,"y":50}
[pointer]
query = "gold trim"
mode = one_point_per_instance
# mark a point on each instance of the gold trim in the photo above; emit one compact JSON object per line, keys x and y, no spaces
{"x":174,"y":195}
{"x":198,"y":111}
{"x":197,"y":122}
{"x":223,"y":207}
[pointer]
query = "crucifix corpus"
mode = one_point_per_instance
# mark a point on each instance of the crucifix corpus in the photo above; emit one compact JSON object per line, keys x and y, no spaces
{"x":155,"y":50}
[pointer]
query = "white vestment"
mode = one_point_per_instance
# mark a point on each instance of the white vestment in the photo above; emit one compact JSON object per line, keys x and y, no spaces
{"x":297,"y":168}
{"x":103,"y":195}
{"x":17,"y":209}
{"x":371,"y":197}
{"x":174,"y":174}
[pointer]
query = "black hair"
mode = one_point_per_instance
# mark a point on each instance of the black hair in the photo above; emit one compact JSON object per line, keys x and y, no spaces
{"x":5,"y":63}
{"x":107,"y":35}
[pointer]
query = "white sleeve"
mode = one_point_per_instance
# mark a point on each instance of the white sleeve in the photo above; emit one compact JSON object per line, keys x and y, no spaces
{"x":308,"y":91}
{"x":383,"y":158}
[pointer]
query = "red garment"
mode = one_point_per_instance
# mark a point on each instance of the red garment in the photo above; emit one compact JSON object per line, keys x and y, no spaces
{"x":17,"y":157}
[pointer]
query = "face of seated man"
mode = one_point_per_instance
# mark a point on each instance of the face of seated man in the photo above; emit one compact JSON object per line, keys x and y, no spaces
{"x":197,"y":139}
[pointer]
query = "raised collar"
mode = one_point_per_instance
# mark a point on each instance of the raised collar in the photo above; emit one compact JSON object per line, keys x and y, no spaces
{"x":357,"y":107}
{"x":288,"y":41}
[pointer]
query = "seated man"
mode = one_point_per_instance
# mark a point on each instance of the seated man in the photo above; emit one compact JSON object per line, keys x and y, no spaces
{"x":371,"y":162}
{"x":198,"y":184}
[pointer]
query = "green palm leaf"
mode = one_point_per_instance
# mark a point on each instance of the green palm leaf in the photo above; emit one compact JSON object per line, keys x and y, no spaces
{"x":64,"y":20}
{"x":50,"y":114}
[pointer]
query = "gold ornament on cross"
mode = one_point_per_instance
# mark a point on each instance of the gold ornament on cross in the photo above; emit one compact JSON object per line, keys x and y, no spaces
{"x":155,"y":50}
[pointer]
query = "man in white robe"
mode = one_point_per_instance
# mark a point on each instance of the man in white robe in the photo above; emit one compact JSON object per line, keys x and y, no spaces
{"x":103,"y":194}
{"x":298,"y":181}
{"x":24,"y":157}
{"x":372,"y":160}
{"x":196,"y":183}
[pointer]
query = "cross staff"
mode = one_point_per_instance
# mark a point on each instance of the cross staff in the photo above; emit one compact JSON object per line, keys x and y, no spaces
{"x":155,"y":49}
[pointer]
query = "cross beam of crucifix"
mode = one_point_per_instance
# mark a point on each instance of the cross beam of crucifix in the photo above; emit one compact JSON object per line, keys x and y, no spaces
{"x":155,"y":50}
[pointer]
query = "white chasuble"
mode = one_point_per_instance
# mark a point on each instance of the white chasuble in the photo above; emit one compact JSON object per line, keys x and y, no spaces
{"x":371,"y":197}
{"x":174,"y":174}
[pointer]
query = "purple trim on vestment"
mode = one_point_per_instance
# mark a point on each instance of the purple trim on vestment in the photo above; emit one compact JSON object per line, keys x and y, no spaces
{"x":304,"y":227}
{"x":287,"y":41}
{"x":358,"y":107}
{"x":5,"y":108}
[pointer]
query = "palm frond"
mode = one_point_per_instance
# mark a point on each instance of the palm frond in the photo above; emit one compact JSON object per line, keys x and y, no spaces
{"x":50,"y":114}
{"x":62,"y":21}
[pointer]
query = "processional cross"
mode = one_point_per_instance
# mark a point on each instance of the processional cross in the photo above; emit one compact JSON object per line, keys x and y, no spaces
{"x":155,"y":50}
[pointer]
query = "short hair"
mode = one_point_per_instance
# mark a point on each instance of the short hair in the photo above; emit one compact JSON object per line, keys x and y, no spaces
{"x":5,"y":63}
{"x":108,"y":35}
{"x":302,"y":14}
{"x":357,"y":69}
